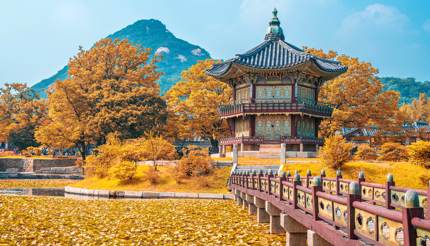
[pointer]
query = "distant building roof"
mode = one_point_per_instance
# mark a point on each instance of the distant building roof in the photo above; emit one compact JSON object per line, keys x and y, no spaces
{"x":276,"y":53}
{"x":418,"y":126}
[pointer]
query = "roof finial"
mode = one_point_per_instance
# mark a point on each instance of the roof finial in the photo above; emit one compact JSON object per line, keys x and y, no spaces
{"x":274,"y":31}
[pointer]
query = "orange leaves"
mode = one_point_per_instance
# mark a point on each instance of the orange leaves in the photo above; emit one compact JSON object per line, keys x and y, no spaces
{"x":193,"y":103}
{"x":358,"y":97}
{"x":111,"y":88}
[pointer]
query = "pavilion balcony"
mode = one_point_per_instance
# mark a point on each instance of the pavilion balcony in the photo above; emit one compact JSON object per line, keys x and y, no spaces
{"x":260,"y":140}
{"x":236,"y":109}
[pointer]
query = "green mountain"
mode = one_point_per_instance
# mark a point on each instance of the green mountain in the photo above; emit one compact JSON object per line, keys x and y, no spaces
{"x":409,"y":88}
{"x":177,"y":54}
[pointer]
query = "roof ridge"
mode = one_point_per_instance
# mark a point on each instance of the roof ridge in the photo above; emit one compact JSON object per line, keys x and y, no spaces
{"x":255,"y":49}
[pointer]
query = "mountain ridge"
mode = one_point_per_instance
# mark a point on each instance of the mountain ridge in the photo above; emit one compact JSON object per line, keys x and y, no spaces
{"x":177,"y":54}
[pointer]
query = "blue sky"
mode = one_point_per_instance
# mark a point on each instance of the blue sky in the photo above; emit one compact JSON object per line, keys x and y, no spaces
{"x":38,"y":37}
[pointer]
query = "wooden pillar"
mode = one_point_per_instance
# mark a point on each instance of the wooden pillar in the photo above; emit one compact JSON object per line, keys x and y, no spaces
{"x":293,"y":126}
{"x":293,"y":92}
{"x":252,"y":119}
{"x":253,"y":90}
{"x":234,"y":94}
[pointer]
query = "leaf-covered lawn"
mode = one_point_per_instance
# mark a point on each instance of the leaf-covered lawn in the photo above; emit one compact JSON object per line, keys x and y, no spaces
{"x":44,"y":220}
{"x":35,"y":183}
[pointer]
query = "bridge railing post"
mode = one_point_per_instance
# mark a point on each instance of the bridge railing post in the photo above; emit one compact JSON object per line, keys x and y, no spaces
{"x":308,"y":177}
{"x":338,"y":177}
{"x":260,"y":173}
{"x":316,"y":186}
{"x":282,"y":178}
{"x":269,"y":182}
{"x":390,"y":183}
{"x":411,"y":210}
{"x":296,"y":181}
{"x":361,"y":178}
{"x":354,"y":194}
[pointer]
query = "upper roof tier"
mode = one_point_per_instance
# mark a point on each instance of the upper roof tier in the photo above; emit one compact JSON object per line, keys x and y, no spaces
{"x":276,"y":54}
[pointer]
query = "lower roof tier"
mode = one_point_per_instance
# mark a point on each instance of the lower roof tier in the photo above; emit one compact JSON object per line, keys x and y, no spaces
{"x":234,"y":110}
{"x":262,"y":140}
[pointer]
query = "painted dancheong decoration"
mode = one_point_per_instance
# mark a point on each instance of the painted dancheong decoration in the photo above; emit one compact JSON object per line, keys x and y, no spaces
{"x":275,"y":96}
{"x":335,"y":210}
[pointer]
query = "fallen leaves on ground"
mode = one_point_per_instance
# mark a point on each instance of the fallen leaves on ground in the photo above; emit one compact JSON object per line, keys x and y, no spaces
{"x":35,"y":183}
{"x":47,"y":220}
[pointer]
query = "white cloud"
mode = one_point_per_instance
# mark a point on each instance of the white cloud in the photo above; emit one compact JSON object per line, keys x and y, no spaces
{"x":426,"y":25}
{"x":162,"y":50}
{"x":181,"y":58}
{"x":197,"y":52}
{"x":376,"y":16}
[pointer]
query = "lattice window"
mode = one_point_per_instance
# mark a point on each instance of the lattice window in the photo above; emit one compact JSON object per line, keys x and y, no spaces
{"x":306,"y":128}
{"x":272,"y":126}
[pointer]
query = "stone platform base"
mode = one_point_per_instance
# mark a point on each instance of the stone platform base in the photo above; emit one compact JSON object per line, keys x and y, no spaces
{"x":273,"y":155}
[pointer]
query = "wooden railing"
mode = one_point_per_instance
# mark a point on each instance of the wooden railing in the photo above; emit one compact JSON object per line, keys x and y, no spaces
{"x":278,"y":107}
{"x":262,"y":140}
{"x":359,"y":211}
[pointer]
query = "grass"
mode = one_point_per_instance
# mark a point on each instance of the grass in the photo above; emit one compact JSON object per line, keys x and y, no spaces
{"x":216,"y":182}
{"x":405,"y":174}
{"x":61,"y":221}
{"x":35,"y":183}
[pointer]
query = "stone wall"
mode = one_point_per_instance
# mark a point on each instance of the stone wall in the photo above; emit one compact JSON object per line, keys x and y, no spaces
{"x":32,"y":165}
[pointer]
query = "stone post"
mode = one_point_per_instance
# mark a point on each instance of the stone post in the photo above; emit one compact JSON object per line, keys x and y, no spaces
{"x":354,"y":194}
{"x":242,"y":147}
{"x":388,"y":185}
{"x":235,"y":154}
{"x":313,"y":239}
{"x":301,"y":147}
{"x":283,"y":153}
{"x":295,"y":232}
{"x":275,"y":220}
{"x":262,"y":215}
{"x":222,"y":151}
{"x":411,"y":209}
{"x":244,"y":201}
{"x":252,"y":209}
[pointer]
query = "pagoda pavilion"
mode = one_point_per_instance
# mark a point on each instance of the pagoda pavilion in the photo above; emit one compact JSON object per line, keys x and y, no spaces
{"x":275,"y":97}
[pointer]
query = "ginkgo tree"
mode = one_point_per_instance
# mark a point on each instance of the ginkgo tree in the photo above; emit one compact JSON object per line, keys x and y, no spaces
{"x":193,"y":104}
{"x":21,"y":110}
{"x":110,"y":88}
{"x":358,"y":97}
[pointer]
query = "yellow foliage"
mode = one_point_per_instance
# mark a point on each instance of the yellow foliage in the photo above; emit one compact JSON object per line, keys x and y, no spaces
{"x":419,"y":153}
{"x":35,"y":183}
{"x":111,"y":88}
{"x":193,"y":104}
{"x":123,"y":170}
{"x":393,"y":152}
{"x":167,"y":181}
{"x":59,"y":221}
{"x":335,"y":152}
{"x":197,"y":162}
{"x":157,"y":148}
{"x":365,"y":152}
{"x":358,"y":97}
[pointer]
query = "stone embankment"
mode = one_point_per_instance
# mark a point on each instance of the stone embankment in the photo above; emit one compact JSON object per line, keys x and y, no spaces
{"x":144,"y":194}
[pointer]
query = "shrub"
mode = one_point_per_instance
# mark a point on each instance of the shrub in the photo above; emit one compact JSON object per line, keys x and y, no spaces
{"x":419,"y":153}
{"x":365,"y":152}
{"x":203,"y":182}
{"x":152,"y":176}
{"x":197,"y":162}
{"x":336,"y":152}
{"x":392,"y":152}
{"x":157,"y":148}
{"x":123,"y":170}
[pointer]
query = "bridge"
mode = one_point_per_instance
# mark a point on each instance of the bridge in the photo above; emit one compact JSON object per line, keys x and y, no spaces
{"x":317,"y":210}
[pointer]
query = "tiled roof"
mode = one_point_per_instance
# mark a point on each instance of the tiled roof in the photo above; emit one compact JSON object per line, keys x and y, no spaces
{"x":277,"y":54}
